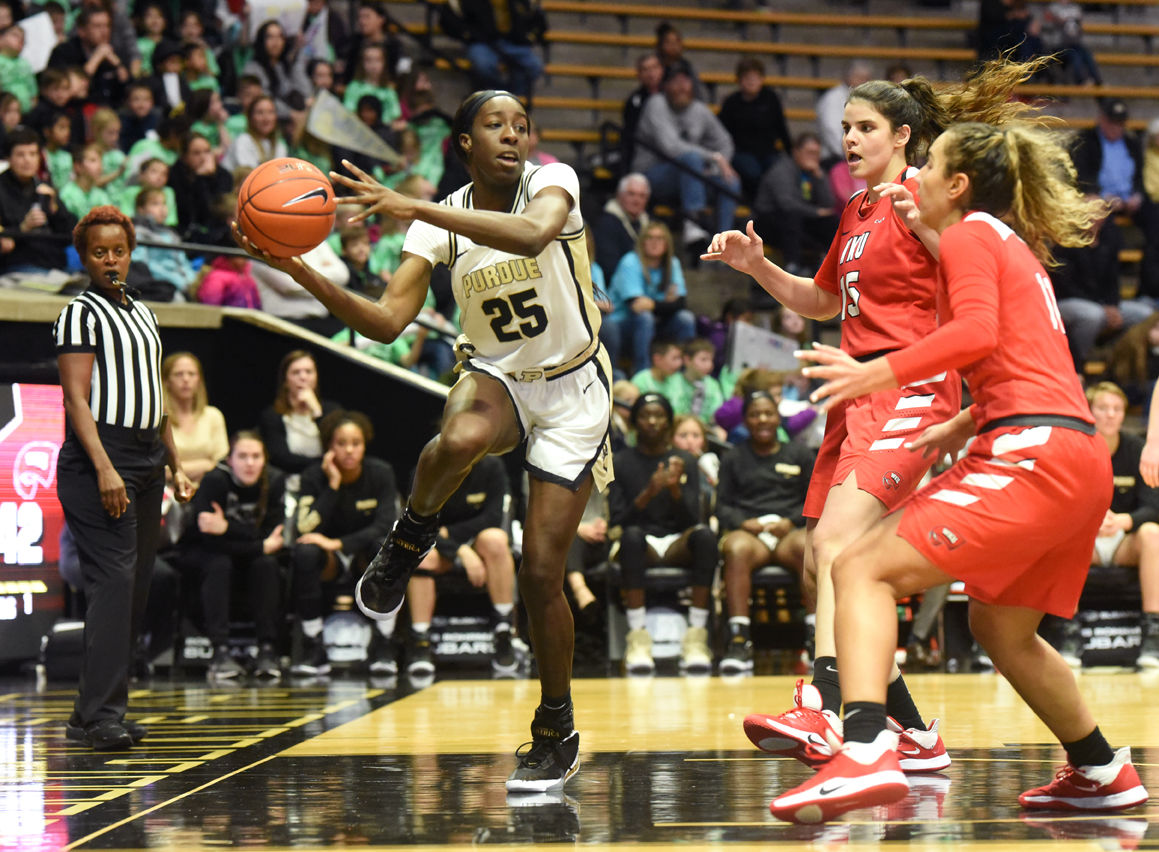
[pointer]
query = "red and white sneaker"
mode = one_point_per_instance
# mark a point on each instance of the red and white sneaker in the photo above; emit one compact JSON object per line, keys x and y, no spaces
{"x":803,"y":732}
{"x":860,"y":775}
{"x":919,"y":751}
{"x":1113,"y":787}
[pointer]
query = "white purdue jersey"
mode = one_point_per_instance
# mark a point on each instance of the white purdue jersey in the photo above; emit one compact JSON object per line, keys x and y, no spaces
{"x":520,"y":313}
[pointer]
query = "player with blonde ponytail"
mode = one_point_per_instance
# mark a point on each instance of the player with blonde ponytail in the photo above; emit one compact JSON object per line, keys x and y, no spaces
{"x":1017,"y":517}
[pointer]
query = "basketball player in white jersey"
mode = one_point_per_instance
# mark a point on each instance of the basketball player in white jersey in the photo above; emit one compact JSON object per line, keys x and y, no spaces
{"x":513,"y":239}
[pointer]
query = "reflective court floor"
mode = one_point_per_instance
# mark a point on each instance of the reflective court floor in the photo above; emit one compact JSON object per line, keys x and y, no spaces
{"x":664,"y":762}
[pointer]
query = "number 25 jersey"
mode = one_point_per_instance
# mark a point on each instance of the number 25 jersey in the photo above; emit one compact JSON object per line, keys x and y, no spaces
{"x":886,"y":279}
{"x":520,"y":313}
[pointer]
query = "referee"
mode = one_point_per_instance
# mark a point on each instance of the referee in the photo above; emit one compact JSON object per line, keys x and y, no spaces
{"x":111,"y":469}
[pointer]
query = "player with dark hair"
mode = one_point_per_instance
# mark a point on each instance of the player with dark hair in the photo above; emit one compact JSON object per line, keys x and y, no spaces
{"x":1016,"y":519}
{"x":532,"y":369}
{"x":880,"y":275}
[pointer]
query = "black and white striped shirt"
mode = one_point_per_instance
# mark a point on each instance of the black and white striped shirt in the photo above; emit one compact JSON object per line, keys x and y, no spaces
{"x":126,"y":382}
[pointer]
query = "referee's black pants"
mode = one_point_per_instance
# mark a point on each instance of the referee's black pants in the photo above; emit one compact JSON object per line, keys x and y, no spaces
{"x":116,"y":560}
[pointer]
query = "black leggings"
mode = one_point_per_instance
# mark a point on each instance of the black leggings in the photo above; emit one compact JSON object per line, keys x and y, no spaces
{"x":262,"y":582}
{"x":634,"y":558}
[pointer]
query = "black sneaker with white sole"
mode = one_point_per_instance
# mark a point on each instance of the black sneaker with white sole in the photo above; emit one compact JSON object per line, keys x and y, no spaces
{"x":421,"y":656}
{"x":380,"y":590}
{"x":503,"y":659}
{"x":312,"y":659}
{"x":552,"y":756}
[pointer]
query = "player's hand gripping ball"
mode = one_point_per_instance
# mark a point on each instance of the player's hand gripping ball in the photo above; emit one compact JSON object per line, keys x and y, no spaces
{"x":286,"y":207}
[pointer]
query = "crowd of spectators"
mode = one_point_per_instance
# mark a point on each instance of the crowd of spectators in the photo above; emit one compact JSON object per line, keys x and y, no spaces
{"x":165,"y":112}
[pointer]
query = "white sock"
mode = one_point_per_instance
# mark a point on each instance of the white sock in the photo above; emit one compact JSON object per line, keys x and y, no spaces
{"x":739,"y":621}
{"x":697,"y":617}
{"x":504,"y":609}
{"x":811,"y":619}
{"x":312,"y":627}
{"x":637,"y":618}
{"x":420,"y":626}
{"x":386,"y":628}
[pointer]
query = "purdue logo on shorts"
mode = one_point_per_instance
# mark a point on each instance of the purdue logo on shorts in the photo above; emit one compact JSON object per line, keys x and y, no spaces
{"x":891,"y":480}
{"x":944,"y":536}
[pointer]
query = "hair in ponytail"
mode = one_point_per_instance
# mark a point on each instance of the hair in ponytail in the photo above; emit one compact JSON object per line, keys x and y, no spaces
{"x":928,"y":108}
{"x":1023,"y":175}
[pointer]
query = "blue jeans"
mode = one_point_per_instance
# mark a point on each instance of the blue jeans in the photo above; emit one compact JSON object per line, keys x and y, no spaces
{"x":642,"y":328}
{"x":1085,"y":320}
{"x":693,"y":191}
{"x":524,"y":66}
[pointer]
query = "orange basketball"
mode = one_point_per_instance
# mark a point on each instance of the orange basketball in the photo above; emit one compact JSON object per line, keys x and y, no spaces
{"x":286,"y":207}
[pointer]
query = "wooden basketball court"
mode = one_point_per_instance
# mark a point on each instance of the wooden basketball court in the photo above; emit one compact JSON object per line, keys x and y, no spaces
{"x":664,"y":762}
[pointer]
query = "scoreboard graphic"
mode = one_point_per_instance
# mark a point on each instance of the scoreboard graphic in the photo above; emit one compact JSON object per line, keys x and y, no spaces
{"x":31,"y":432}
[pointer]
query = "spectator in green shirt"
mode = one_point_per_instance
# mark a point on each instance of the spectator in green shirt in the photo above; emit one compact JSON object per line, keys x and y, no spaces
{"x":15,"y":73}
{"x":57,"y":137}
{"x":82,"y":194}
{"x":696,"y":391}
{"x":661,"y":377}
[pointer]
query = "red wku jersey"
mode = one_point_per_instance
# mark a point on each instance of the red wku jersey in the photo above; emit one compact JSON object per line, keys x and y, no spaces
{"x":1003,"y":331}
{"x":885,"y":277}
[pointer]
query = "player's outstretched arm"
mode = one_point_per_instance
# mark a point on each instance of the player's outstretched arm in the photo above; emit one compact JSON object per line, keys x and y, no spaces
{"x":745,"y":252}
{"x":527,"y":233}
{"x":382,"y":320}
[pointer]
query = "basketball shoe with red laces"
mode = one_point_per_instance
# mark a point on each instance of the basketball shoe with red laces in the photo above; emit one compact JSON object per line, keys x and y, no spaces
{"x":1113,"y":787}
{"x":859,"y":775}
{"x":919,"y":751}
{"x":802,"y":732}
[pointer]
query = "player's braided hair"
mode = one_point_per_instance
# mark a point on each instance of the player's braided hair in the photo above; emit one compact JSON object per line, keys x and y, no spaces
{"x":1023,"y":174}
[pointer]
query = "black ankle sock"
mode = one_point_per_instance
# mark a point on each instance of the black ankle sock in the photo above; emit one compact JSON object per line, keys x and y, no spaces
{"x":1091,"y":750}
{"x":901,"y":705}
{"x":420,"y":520}
{"x":864,"y":720}
{"x":827,"y":683}
{"x":555,"y":715}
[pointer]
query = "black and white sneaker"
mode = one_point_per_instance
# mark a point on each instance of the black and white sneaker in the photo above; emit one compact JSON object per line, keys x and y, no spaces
{"x":380,"y":590}
{"x":312,"y":661}
{"x":223,"y":666}
{"x":268,"y":666}
{"x":738,"y":655}
{"x":545,"y":764}
{"x":382,"y":656}
{"x":503,"y":660}
{"x":422,"y":656}
{"x":1149,"y":650}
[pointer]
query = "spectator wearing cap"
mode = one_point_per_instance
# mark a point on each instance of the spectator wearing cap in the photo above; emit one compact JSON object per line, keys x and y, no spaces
{"x":92,"y":50}
{"x":675,"y":126}
{"x":170,"y":89}
{"x":1108,"y":160}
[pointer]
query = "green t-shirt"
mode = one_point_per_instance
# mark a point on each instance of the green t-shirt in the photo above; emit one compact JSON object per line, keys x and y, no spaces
{"x":647,"y":383}
{"x":236,"y":125}
{"x":146,"y":46}
{"x":59,"y":167}
{"x":386,"y":253}
{"x":78,"y":202}
{"x":685,"y":395}
{"x":387,"y":96}
{"x":127,"y":202}
{"x":112,"y":160}
{"x":17,"y":77}
{"x":205,"y":81}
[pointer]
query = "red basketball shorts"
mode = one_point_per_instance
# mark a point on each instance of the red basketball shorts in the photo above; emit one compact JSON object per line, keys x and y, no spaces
{"x":868,"y":436}
{"x":1016,"y":519}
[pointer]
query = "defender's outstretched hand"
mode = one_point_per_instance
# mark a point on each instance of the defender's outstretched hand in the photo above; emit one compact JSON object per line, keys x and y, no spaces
{"x":743,"y":252}
{"x":372,"y":195}
{"x":844,"y":377}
